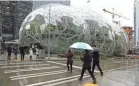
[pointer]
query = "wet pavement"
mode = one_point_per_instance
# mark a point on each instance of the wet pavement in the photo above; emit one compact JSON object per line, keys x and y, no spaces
{"x":34,"y":73}
{"x":126,"y":76}
{"x":121,"y":72}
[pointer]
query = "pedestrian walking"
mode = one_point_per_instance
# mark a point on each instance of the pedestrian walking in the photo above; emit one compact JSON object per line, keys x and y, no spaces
{"x":22,"y":52}
{"x":69,"y":60}
{"x":30,"y":53}
{"x":37,"y":53}
{"x":9,"y":51}
{"x":96,"y":57}
{"x":87,"y":65}
{"x":15,"y":49}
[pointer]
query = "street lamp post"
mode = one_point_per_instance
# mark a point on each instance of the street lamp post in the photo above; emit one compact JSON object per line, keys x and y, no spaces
{"x":135,"y":22}
{"x":0,"y":29}
{"x":95,"y":39}
{"x":49,"y":32}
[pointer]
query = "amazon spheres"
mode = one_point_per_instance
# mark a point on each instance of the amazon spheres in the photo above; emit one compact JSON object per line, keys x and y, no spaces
{"x":59,"y":26}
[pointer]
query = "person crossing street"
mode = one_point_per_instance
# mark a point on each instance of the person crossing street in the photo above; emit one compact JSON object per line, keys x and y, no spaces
{"x":9,"y":50}
{"x":22,"y":52}
{"x":69,"y":60}
{"x":87,"y":66}
{"x":96,"y":57}
{"x":30,"y":53}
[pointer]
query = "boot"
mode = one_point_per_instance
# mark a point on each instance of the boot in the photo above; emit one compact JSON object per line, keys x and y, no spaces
{"x":94,"y":82}
{"x":80,"y":79}
{"x":102,"y":74}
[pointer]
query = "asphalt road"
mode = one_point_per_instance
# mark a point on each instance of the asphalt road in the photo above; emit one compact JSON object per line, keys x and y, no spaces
{"x":54,"y":73}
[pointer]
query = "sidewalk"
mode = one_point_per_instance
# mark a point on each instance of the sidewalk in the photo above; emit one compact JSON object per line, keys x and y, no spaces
{"x":54,"y":58}
{"x":27,"y":57}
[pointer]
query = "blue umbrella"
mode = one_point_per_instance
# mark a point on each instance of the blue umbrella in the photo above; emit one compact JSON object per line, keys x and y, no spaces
{"x":81,"y":45}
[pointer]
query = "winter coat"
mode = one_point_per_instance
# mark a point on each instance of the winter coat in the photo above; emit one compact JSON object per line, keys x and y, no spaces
{"x":31,"y":52}
{"x":69,"y":57}
{"x":87,"y":59}
{"x":37,"y":51}
{"x":96,"y":56}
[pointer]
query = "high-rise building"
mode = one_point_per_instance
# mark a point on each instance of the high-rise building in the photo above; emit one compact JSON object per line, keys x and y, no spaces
{"x":12,"y":14}
{"x":37,"y":4}
{"x":136,"y":21}
{"x":7,"y":19}
{"x":23,"y":8}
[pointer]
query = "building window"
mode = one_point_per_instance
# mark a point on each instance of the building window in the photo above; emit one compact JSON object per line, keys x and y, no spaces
{"x":7,"y":13}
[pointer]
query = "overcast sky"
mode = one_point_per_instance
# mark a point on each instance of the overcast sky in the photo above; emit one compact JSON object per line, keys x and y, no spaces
{"x":123,"y":7}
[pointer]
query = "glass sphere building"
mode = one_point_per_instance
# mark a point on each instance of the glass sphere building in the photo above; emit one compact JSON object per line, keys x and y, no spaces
{"x":56,"y":27}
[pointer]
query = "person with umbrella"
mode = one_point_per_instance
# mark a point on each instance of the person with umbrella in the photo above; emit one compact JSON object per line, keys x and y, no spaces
{"x":96,"y":57}
{"x":22,"y":52}
{"x":9,"y":50}
{"x":87,"y":66}
{"x":69,"y":60}
{"x":15,"y":49}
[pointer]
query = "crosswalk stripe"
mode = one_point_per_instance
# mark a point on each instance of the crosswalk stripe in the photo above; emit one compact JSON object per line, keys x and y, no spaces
{"x":16,"y":66}
{"x":64,"y":81}
{"x":20,"y":63}
{"x":30,"y":69}
{"x":26,"y":63}
{"x":3,"y":62}
{"x":32,"y":76}
{"x":66,"y":65}
{"x":35,"y":74}
{"x":52,"y":81}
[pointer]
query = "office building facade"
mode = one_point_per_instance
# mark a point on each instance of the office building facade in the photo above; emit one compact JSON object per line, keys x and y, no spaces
{"x":12,"y":14}
{"x":37,"y":4}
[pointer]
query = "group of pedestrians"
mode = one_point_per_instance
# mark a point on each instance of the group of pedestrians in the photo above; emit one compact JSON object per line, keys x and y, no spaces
{"x":31,"y":53}
{"x":88,"y":58}
{"x":22,"y":52}
{"x":9,"y":51}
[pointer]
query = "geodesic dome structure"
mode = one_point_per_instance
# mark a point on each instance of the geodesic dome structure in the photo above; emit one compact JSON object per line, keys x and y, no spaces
{"x":57,"y":27}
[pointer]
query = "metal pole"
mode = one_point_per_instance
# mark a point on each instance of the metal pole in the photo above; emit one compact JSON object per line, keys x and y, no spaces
{"x":49,"y":32}
{"x":0,"y":29}
{"x":135,"y":40}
